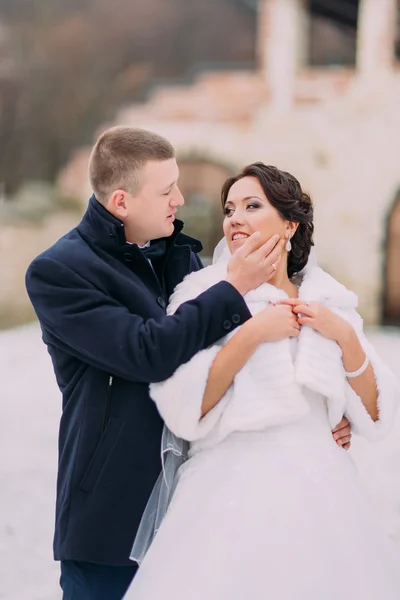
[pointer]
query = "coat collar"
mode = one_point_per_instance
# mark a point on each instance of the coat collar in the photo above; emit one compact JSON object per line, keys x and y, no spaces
{"x":315,"y":286}
{"x":107,"y":232}
{"x":319,"y":286}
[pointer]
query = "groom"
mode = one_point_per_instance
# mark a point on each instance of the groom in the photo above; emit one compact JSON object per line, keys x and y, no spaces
{"x":100,"y":294}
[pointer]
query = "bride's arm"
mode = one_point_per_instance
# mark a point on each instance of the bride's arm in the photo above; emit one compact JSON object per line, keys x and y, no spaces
{"x":193,"y":399}
{"x":228,"y":362}
{"x":383,"y":392}
{"x":373,"y":395}
{"x":272,"y":324}
{"x":353,"y":356}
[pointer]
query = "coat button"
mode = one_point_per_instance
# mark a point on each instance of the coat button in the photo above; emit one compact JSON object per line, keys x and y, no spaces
{"x":161,"y":302}
{"x":127,"y":257}
{"x":236,"y":319}
{"x":227,"y":325}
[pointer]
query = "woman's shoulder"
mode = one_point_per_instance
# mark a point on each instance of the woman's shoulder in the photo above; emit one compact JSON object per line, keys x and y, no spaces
{"x":320,"y":286}
{"x":194,"y":284}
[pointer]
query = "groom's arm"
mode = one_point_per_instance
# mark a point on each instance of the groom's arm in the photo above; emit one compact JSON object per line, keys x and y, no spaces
{"x":85,"y":322}
{"x":82,"y":320}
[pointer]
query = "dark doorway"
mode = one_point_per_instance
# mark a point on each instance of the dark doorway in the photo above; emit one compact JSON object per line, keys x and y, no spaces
{"x":391,"y":304}
{"x":200,"y":182}
{"x":333,"y":32}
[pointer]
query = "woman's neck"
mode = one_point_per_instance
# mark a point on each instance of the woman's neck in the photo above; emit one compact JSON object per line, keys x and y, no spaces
{"x":282,"y":281}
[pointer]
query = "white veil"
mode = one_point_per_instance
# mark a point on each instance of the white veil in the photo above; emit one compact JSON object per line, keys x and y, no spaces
{"x":174,"y":453}
{"x":221,"y":252}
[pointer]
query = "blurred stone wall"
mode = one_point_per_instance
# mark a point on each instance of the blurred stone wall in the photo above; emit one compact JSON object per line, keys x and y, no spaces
{"x":337,"y":129}
{"x":28,"y":225}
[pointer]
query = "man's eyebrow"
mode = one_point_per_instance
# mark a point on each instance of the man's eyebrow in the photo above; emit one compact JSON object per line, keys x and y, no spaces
{"x":167,"y":187}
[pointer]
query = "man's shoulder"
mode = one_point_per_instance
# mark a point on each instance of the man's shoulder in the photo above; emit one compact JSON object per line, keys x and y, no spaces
{"x":67,"y":250}
{"x":66,"y":254}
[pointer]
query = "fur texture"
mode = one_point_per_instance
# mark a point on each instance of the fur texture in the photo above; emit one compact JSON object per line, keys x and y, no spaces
{"x":269,"y":390}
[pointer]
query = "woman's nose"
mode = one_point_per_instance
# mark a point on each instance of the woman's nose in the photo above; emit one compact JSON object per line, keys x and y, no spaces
{"x":237,"y":218}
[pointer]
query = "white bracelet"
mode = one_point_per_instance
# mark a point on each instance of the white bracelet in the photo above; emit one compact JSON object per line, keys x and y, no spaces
{"x":359,"y":371}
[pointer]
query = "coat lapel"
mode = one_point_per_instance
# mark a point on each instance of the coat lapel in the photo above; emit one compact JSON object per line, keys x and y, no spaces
{"x":317,"y":364}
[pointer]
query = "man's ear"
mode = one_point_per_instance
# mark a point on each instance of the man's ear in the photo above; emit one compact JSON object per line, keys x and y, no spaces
{"x":117,"y":203}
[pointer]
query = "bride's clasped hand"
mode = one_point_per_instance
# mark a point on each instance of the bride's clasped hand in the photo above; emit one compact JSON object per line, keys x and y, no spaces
{"x":274,"y":323}
{"x":319,"y":317}
{"x":284,"y":318}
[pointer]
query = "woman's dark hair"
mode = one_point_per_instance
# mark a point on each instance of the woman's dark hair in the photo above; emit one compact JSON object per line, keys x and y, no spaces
{"x":285,"y":194}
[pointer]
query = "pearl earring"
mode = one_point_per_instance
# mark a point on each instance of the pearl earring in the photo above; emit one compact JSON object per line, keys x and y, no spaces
{"x":288,"y":245}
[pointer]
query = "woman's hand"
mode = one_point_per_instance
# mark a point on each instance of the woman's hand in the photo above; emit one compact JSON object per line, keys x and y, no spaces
{"x":274,"y":323}
{"x":320,"y":318}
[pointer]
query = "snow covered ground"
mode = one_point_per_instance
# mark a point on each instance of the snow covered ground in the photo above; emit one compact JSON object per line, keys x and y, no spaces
{"x":29,"y":412}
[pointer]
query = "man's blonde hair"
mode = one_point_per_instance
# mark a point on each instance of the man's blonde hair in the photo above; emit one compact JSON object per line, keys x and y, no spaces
{"x":118,"y":156}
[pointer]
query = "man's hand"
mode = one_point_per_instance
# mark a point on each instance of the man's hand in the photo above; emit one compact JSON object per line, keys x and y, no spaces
{"x":342,"y":434}
{"x":252,"y":264}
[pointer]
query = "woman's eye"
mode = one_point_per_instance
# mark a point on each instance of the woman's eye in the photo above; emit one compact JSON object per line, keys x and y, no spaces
{"x":228,"y":211}
{"x":253,"y":205}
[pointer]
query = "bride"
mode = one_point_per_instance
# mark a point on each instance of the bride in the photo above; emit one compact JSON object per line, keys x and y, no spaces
{"x":268,"y":506}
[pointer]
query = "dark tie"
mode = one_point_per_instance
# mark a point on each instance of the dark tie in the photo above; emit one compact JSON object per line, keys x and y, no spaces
{"x":156,"y":250}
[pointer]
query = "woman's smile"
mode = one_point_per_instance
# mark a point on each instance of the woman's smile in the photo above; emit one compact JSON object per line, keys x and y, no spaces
{"x":239,"y":236}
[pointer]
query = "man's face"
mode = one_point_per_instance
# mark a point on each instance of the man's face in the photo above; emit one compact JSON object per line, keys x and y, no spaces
{"x":150,"y":214}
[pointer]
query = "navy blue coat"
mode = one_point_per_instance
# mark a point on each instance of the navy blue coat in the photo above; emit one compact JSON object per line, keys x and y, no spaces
{"x":102,"y":312}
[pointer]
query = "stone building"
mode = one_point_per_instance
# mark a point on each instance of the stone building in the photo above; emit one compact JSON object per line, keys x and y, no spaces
{"x":331,"y":118}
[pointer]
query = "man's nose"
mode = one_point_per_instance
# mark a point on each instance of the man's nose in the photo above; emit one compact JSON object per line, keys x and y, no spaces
{"x":177,"y":198}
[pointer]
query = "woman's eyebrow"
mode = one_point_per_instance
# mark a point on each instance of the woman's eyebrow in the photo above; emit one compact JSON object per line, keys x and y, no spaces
{"x":252,"y":198}
{"x":244,"y":199}
{"x":233,"y":202}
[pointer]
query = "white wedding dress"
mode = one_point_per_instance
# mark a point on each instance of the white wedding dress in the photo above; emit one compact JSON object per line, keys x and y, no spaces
{"x":277,"y":514}
{"x":274,"y":512}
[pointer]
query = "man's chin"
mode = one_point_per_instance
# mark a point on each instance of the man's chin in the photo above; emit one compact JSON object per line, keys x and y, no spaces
{"x":168,"y":230}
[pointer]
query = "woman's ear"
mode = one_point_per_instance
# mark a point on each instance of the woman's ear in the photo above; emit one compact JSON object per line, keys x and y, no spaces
{"x":291,"y":229}
{"x":289,"y":233}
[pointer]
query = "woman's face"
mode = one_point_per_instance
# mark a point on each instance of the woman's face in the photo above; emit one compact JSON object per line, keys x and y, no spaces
{"x":247,"y":210}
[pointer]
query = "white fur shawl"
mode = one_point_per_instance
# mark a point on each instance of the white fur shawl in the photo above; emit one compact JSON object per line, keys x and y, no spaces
{"x":269,"y":389}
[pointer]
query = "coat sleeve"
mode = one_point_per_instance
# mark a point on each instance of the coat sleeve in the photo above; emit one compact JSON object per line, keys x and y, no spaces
{"x":179,"y":398}
{"x":388,"y":388}
{"x":84,"y":321}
